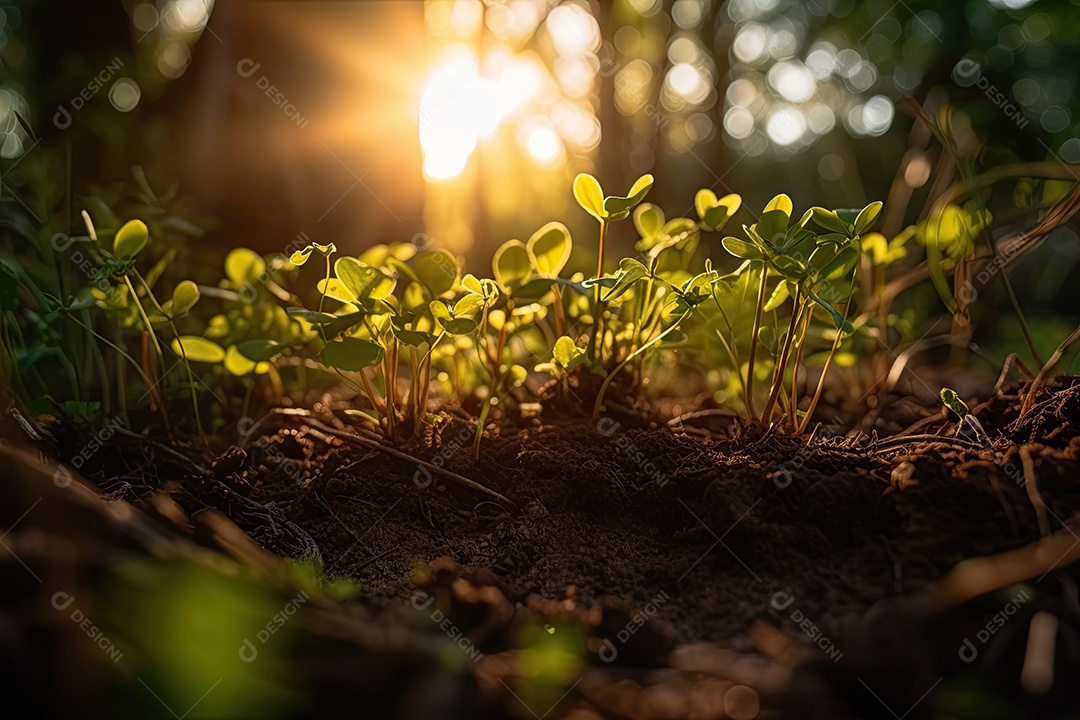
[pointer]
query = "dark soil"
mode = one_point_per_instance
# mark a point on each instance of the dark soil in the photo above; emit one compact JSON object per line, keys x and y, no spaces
{"x":616,"y":515}
{"x":629,"y":510}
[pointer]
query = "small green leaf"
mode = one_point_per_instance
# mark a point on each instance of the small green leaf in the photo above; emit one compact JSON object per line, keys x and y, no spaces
{"x":549,"y":248}
{"x":712,"y":212}
{"x":411,"y":337}
{"x":781,"y":202}
{"x":342,"y":323}
{"x":352,"y":354}
{"x":867,"y":217}
{"x":363,"y":281}
{"x":237,"y":364}
{"x":184,"y":297}
{"x":244,"y":267}
{"x":534,"y":289}
{"x":840,"y":265}
{"x":618,"y":207}
{"x":829,"y":220}
{"x":952,"y":401}
{"x":779,"y":295}
{"x":630,"y":271}
{"x":436,"y":270}
{"x":567,"y":354}
{"x":772,"y":228}
{"x":838,"y":320}
{"x":311,"y":316}
{"x":260,"y":350}
{"x":741,"y":248}
{"x":589,"y":195}
{"x":198,"y":349}
{"x":460,"y":326}
{"x":511,"y":264}
{"x":301,"y":256}
{"x":130,"y":239}
{"x":649,"y":220}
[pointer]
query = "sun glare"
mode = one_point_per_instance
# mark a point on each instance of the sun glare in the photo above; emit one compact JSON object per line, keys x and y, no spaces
{"x":461,"y":104}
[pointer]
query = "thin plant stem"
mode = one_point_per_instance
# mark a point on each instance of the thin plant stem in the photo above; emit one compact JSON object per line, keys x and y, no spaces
{"x":595,"y":352}
{"x":795,"y":367}
{"x":754,"y":343}
{"x":778,"y":372}
{"x":183,"y":354}
{"x":150,"y":332}
{"x":824,"y":371}
{"x":626,"y":361}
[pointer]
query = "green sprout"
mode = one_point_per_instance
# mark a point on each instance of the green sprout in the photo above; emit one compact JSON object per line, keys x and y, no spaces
{"x":968,"y":426}
{"x":590,"y":196}
{"x":814,"y":270}
{"x":128,"y":242}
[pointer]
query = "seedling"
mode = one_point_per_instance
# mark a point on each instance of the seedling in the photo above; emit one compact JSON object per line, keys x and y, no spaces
{"x":128,"y":242}
{"x":590,"y":196}
{"x":808,"y":265}
{"x":968,"y":425}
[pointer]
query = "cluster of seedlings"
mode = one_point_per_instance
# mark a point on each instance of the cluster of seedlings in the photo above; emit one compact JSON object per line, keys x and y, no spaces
{"x":405,"y":327}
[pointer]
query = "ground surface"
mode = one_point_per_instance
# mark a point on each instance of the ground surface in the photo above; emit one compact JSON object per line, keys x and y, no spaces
{"x":720,"y":532}
{"x":719,"y":525}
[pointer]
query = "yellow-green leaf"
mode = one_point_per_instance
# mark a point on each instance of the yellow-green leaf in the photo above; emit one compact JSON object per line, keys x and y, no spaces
{"x":550,"y":248}
{"x":780,"y":202}
{"x":198,"y":349}
{"x":363,"y":281}
{"x":640,"y":188}
{"x":184,"y":297}
{"x":649,"y":220}
{"x":436,"y":270}
{"x":243,"y":267}
{"x":130,"y":239}
{"x":867,"y":217}
{"x":567,"y":352}
{"x":589,"y":195}
{"x":470,"y":283}
{"x":511,"y":264}
{"x":778,"y":297}
{"x":236,"y":363}
{"x":335,"y":290}
{"x":301,"y":256}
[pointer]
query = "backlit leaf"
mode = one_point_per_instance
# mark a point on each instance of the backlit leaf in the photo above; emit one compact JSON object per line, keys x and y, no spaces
{"x":589,"y":195}
{"x":198,"y":349}
{"x":867,"y":217}
{"x":740,"y":248}
{"x":550,"y":248}
{"x":361,"y":280}
{"x":436,"y":270}
{"x":781,"y":202}
{"x":244,"y":267}
{"x":130,"y":239}
{"x":184,"y":297}
{"x":511,"y":264}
